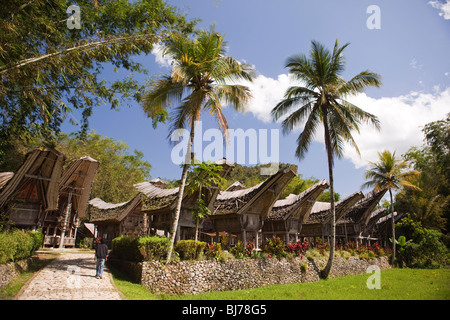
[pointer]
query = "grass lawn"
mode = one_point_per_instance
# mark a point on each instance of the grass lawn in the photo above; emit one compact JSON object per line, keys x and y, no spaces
{"x":396,"y":284}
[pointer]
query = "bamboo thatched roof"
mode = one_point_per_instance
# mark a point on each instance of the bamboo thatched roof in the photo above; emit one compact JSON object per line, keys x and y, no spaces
{"x":264,"y":193}
{"x":361,"y":211}
{"x":321,"y":211}
{"x":77,"y":179}
{"x":373,"y":219}
{"x":101,"y":211}
{"x":156,"y":198}
{"x":41,"y":164}
{"x":298,"y":206}
{"x":235,"y":186}
{"x":4,"y":178}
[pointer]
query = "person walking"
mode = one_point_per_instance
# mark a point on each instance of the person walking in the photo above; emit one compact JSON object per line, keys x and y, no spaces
{"x":101,"y":255}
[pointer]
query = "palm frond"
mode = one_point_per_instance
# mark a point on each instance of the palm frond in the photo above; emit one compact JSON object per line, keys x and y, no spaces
{"x":158,"y":97}
{"x":360,"y":82}
{"x":305,"y":138}
{"x":293,"y":97}
{"x":297,"y":117}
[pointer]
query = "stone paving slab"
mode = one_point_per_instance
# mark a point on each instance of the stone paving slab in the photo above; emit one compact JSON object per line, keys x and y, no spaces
{"x":71,"y":276}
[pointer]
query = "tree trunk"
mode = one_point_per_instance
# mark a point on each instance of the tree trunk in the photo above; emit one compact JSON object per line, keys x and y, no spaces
{"x":393,"y":227}
{"x":176,"y":218}
{"x":326,"y":271}
{"x":196,"y":229}
{"x":197,"y":219}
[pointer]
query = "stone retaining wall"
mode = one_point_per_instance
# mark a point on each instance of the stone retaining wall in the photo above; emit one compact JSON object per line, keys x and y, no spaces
{"x":8,"y":271}
{"x":188,"y":277}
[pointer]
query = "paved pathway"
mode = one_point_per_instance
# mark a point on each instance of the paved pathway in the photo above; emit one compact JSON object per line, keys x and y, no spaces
{"x":70,"y":277}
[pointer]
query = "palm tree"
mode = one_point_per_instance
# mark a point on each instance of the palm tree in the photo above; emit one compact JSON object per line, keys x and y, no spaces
{"x":387,"y":174}
{"x":199,"y":82}
{"x":320,"y":100}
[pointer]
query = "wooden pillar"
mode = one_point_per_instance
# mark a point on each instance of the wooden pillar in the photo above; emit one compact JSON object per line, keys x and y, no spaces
{"x":66,"y":217}
{"x":257,"y":240}
{"x":244,"y":237}
{"x":177,"y":235}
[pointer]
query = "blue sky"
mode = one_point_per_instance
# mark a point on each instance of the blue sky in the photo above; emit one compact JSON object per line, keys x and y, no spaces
{"x":410,"y":50}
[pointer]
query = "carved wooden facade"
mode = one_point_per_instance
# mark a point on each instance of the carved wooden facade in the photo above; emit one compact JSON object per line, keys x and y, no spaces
{"x":41,"y":195}
{"x":318,"y":223}
{"x":288,"y":215}
{"x":242,"y":212}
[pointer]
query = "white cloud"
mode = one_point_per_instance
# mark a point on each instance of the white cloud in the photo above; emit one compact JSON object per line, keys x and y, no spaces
{"x":160,"y":58}
{"x":443,"y":7}
{"x":267,"y":92}
{"x":402,"y":118}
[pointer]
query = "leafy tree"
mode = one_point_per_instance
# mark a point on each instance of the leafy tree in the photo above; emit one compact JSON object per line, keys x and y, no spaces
{"x":199,"y":82}
{"x":432,"y":205}
{"x":47,"y":69}
{"x":387,"y":174}
{"x":119,"y":168}
{"x":202,"y":175}
{"x":320,"y":99}
{"x":423,"y":249}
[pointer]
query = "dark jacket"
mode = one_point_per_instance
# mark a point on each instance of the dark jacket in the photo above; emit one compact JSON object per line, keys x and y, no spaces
{"x":102,"y":251}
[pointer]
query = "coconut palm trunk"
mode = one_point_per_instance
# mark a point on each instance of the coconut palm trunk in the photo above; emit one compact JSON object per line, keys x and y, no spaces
{"x":393,"y":226}
{"x":327,"y":269}
{"x":176,"y":218}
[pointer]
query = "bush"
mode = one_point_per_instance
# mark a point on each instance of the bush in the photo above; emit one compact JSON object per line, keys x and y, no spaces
{"x":154,"y":248}
{"x":424,"y":248}
{"x":18,"y":245}
{"x":275,"y":247}
{"x":189,"y":249}
{"x":127,"y":248}
{"x":214,"y":251}
{"x":238,"y":250}
{"x":7,"y":247}
{"x":137,"y":249}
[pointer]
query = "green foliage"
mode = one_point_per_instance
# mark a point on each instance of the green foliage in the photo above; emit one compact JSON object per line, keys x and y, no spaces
{"x":18,"y":245}
{"x":431,"y":206}
{"x":119,"y":170}
{"x":275,"y":247}
{"x":189,"y":249}
{"x":238,"y":250}
{"x":146,"y":248}
{"x":424,"y":249}
{"x":214,"y":251}
{"x":153,"y":247}
{"x":126,"y":248}
{"x":47,"y":69}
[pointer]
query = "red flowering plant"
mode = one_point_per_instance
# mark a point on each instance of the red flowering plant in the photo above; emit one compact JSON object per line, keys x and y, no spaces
{"x":249,"y":248}
{"x":275,"y":247}
{"x":297,"y":248}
